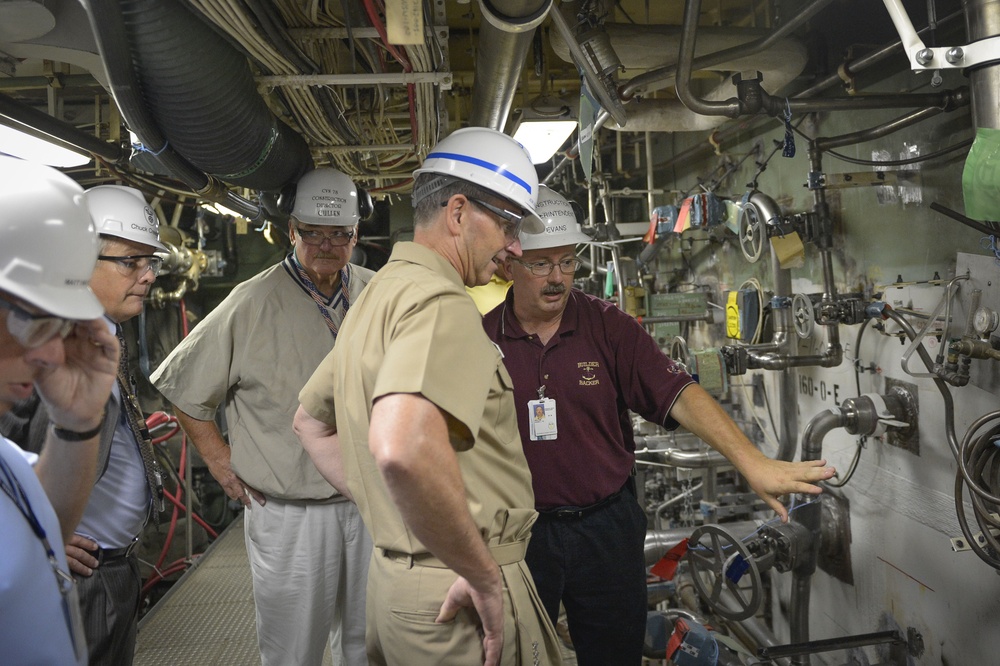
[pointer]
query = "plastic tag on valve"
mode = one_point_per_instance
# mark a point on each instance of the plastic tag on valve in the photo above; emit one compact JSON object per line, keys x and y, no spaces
{"x":667,"y":566}
{"x":737,"y":568}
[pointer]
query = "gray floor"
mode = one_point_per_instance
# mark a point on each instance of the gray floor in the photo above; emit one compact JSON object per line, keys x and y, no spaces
{"x":207,"y":618}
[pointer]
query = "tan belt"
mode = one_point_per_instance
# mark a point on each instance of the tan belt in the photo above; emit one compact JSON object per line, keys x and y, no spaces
{"x":503,"y":554}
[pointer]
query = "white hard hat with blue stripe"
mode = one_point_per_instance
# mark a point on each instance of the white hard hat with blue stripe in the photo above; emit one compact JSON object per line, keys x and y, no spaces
{"x":493,"y":161}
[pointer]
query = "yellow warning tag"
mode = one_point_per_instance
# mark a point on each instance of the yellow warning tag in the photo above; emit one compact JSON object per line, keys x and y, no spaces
{"x":732,"y":315}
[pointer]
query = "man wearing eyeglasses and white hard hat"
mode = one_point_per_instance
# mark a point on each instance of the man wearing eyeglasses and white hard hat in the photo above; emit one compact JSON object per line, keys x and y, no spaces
{"x":101,"y":554}
{"x":53,"y":341}
{"x":307,"y":546}
{"x":587,"y":364}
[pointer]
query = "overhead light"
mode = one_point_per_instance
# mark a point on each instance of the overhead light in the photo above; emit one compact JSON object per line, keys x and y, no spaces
{"x":19,"y":144}
{"x":544,"y":126}
{"x":542,"y":138}
{"x":219,"y":209}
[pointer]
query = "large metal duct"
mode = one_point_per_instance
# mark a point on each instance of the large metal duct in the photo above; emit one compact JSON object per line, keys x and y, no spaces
{"x":504,"y":39}
{"x":642,"y":48}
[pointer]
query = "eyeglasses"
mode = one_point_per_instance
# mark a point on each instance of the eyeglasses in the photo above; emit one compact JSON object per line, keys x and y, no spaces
{"x":511,"y":225}
{"x":544,"y":268}
{"x":336,"y":238}
{"x":136,"y":264}
{"x":34,"y":330}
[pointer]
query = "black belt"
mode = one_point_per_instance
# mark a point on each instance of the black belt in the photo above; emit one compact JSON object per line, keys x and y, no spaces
{"x":578,"y":512}
{"x":108,"y":554}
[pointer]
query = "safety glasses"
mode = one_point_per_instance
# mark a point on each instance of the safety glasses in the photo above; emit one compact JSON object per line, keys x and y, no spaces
{"x":136,"y":264}
{"x":34,"y":330}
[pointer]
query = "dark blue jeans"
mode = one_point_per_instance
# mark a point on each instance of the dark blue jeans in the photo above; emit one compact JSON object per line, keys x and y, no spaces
{"x":595,"y":566}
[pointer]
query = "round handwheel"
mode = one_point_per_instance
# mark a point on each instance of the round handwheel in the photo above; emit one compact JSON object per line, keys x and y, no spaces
{"x":803,"y":316}
{"x":752,"y":233}
{"x":713,"y":553}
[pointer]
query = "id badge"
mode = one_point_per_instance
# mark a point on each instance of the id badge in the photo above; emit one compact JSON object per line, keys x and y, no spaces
{"x":542,"y":419}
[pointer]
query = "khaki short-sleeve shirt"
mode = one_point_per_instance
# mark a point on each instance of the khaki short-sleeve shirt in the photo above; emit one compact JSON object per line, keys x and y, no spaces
{"x":415,"y":330}
{"x":254,"y":352}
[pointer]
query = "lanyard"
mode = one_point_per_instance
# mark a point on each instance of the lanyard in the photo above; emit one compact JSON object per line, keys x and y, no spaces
{"x":64,"y":582}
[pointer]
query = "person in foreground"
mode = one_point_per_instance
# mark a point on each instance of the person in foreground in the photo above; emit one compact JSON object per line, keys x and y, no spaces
{"x":412,"y":414}
{"x":579,"y":366}
{"x":53,"y":340}
{"x":101,"y":554}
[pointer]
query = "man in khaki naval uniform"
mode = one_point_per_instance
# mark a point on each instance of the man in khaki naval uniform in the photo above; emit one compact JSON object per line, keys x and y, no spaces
{"x":412,"y":415}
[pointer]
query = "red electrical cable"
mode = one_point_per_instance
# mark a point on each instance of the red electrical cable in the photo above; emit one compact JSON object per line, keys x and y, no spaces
{"x":198,"y":519}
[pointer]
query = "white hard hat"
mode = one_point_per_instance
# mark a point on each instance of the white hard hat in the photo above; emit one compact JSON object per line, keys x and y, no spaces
{"x":491,"y":160}
{"x":122,"y":212}
{"x":559,"y":219}
{"x":48,"y":244}
{"x":329,"y":197}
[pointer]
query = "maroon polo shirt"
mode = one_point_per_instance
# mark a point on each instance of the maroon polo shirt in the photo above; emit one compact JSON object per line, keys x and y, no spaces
{"x":598,"y":366}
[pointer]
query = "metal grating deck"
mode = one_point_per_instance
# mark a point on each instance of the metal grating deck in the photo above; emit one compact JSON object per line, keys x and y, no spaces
{"x":207,"y":618}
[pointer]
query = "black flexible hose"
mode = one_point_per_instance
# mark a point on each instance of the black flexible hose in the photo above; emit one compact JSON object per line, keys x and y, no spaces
{"x":179,"y":83}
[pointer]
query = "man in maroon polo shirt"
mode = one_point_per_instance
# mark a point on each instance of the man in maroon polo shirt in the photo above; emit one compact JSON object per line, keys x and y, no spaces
{"x":579,"y":365}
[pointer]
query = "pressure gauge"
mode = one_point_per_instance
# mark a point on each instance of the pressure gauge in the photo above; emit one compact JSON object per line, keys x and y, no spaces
{"x":985,"y":321}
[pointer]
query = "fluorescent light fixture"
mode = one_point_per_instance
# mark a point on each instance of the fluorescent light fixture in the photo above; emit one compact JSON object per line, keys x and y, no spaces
{"x":542,"y":138}
{"x":219,"y":209}
{"x":17,"y":143}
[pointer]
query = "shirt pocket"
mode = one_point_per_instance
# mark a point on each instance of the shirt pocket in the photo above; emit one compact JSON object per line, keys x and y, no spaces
{"x":506,"y":417}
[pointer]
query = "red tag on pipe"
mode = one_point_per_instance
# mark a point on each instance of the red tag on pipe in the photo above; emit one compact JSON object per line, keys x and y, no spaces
{"x":667,"y":566}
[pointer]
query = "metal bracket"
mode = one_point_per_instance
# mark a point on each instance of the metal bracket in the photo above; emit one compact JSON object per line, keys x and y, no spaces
{"x":923,"y":58}
{"x":960,"y":545}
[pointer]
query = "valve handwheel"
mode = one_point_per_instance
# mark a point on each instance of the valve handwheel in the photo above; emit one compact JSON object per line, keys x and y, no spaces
{"x":752,"y":233}
{"x":803,"y":316}
{"x":712,"y":552}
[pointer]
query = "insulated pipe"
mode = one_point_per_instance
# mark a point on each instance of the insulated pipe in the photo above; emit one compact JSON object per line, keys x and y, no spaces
{"x":733,"y":107}
{"x":686,"y":59}
{"x":655,"y":47}
{"x":504,"y":39}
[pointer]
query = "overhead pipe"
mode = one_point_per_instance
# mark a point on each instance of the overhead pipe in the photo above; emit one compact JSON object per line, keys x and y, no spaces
{"x":855,"y":66}
{"x":32,"y":121}
{"x":703,"y":149}
{"x":643,"y":47}
{"x":505,"y":36}
{"x":752,"y":99}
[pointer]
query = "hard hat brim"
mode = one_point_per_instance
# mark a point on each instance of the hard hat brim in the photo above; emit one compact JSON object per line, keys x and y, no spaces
{"x":66,"y":302}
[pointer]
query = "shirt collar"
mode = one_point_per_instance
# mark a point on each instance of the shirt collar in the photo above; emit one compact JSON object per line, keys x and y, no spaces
{"x":415,"y":253}
{"x":511,"y":327}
